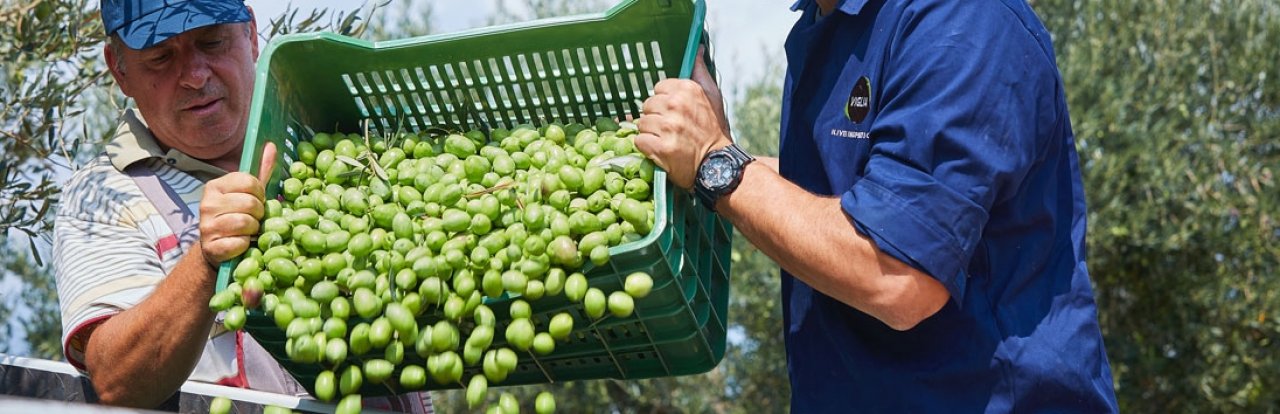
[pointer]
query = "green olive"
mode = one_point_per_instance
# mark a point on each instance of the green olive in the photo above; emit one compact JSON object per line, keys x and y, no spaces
{"x":366,"y":303}
{"x":520,"y":309}
{"x":325,"y":291}
{"x":325,"y":202}
{"x":400,"y":318}
{"x":283,"y":269}
{"x":477,"y":389}
{"x":592,"y":180}
{"x":561,"y":326}
{"x":543,"y":343}
{"x":444,"y":336}
{"x":413,"y":377}
{"x":349,"y":404}
{"x":492,"y":370}
{"x":571,"y":177}
{"x":520,"y":333}
{"x":449,"y":368}
{"x":600,"y":255}
{"x":575,"y":287}
{"x":380,"y":332}
{"x":459,"y":146}
{"x":514,"y":281}
{"x":234,"y":319}
{"x":535,"y":290}
{"x":544,"y":403}
{"x":340,"y":308}
{"x":508,"y":403}
{"x":306,"y":350}
{"x":335,"y":327}
{"x":637,"y":189}
{"x":377,"y":370}
{"x":222,"y":301}
{"x":335,"y":351}
{"x":621,"y":304}
{"x":589,"y":242}
{"x":313,"y":241}
{"x":283,"y":315}
{"x":359,"y":343}
{"x":454,"y":307}
{"x":337,"y":241}
{"x":220,"y":405}
{"x":594,"y":303}
{"x":325,"y":386}
{"x":406,"y":279}
{"x":402,"y":226}
{"x":638,"y":284}
{"x":246,"y":268}
{"x":507,"y":359}
{"x":311,"y":269}
{"x":299,"y":327}
{"x":394,"y":353}
{"x":350,"y":380}
{"x":306,"y":308}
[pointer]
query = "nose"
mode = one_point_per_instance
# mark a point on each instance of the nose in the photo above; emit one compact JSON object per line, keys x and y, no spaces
{"x":195,"y":71}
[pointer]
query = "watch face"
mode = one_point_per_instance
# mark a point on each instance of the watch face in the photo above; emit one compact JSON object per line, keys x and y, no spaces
{"x":717,"y":172}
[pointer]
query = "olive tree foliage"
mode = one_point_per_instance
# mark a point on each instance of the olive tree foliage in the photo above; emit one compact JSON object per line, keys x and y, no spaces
{"x":33,"y":311}
{"x":506,"y":11}
{"x":58,"y":106}
{"x":757,"y":363}
{"x":49,"y":52}
{"x":1176,"y":109}
{"x":49,"y":78}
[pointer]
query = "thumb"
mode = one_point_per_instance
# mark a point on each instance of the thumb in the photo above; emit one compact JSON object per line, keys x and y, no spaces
{"x":702,"y":74}
{"x":268,"y":162}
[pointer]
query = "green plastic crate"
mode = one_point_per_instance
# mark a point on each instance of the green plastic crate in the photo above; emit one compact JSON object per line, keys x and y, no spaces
{"x":571,"y":69}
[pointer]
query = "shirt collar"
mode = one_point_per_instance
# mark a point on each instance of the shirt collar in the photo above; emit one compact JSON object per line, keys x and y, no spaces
{"x":133,"y":142}
{"x":850,"y":7}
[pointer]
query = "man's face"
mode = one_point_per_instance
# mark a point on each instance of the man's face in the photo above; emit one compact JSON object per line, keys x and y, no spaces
{"x":194,"y":89}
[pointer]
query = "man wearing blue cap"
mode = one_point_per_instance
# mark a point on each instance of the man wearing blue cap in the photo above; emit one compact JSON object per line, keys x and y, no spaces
{"x":926,"y":209}
{"x":143,"y":227}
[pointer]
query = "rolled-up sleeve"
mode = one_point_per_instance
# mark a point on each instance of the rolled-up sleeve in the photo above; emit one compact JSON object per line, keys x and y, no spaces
{"x":963,"y":116}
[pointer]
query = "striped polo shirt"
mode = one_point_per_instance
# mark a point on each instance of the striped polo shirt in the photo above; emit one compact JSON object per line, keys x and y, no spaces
{"x":112,"y":247}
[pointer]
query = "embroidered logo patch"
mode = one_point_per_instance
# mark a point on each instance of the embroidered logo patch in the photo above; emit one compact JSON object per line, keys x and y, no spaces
{"x":859,"y":104}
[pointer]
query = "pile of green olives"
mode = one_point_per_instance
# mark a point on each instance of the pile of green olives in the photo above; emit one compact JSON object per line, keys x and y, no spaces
{"x":372,"y":236}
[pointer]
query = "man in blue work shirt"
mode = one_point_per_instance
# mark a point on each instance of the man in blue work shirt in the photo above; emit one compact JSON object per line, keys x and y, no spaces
{"x":927,"y":209}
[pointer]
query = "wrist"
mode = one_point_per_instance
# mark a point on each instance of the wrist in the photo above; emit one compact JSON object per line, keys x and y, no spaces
{"x":720,"y":142}
{"x":197,"y":250}
{"x":728,"y":205}
{"x":720,"y":173}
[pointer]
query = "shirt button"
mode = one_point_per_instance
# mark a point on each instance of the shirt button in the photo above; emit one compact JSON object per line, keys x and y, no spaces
{"x":172,"y":161}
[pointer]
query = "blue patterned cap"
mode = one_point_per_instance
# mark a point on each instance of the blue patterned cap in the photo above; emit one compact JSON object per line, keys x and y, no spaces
{"x":144,"y":23}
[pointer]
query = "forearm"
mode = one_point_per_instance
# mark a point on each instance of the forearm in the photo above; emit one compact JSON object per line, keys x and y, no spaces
{"x":812,"y":238}
{"x":142,"y":355}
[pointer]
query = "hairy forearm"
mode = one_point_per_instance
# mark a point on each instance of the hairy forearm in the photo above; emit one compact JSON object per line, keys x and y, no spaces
{"x":812,"y":238}
{"x":141,"y":356}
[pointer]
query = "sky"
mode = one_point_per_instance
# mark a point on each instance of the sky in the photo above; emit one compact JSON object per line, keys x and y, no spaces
{"x":746,"y":34}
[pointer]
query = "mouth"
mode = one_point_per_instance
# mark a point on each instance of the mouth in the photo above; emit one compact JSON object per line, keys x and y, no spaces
{"x":203,"y":106}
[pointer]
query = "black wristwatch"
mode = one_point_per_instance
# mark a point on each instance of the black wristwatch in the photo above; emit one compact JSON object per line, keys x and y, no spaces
{"x":719,"y":174}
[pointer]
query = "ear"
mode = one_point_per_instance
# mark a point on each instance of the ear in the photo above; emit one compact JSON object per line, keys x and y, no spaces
{"x":110,"y":54}
{"x":253,"y":32}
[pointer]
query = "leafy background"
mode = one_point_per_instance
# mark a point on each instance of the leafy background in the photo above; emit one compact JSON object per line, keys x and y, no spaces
{"x":1175,"y":105}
